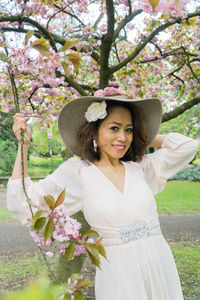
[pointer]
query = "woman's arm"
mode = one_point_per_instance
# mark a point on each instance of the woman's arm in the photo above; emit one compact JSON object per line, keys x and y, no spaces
{"x":19,"y":126}
{"x":158,"y":140}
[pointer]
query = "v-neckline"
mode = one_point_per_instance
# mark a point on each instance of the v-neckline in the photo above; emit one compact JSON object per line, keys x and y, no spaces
{"x":110,"y":182}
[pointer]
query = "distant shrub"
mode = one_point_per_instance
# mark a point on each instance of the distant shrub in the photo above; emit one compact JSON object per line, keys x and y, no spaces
{"x":190,"y":173}
{"x":8,"y":150}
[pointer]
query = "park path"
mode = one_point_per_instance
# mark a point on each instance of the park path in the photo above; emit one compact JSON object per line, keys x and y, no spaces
{"x":15,"y":237}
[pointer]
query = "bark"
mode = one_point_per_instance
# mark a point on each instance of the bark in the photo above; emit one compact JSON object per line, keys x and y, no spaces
{"x":180,"y":109}
{"x":106,"y":45}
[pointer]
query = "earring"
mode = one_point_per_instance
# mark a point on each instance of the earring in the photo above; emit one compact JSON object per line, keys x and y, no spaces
{"x":95,"y":146}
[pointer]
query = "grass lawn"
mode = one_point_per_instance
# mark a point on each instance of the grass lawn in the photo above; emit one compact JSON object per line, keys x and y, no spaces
{"x":179,"y":198}
{"x":17,"y":270}
{"x":5,"y":215}
{"x":41,"y":167}
{"x":187,"y":257}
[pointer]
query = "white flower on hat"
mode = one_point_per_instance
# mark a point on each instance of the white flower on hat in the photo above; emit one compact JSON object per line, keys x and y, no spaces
{"x":96,"y":110}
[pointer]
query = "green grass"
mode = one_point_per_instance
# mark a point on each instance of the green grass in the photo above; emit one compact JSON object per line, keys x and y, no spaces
{"x":179,"y":198}
{"x":5,"y":215}
{"x":15,"y":267}
{"x":16,"y":271}
{"x":41,"y":167}
{"x":19,"y":266}
{"x":187,"y":257}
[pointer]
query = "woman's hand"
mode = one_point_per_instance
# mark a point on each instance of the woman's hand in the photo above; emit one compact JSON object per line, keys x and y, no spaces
{"x":20,"y":125}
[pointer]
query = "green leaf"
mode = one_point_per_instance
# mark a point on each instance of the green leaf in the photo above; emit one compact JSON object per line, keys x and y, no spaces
{"x":3,"y":57}
{"x":102,"y":251}
{"x":49,"y":229}
{"x":28,"y":36}
{"x":39,"y":224}
{"x":50,"y":201}
{"x":67,"y":296}
{"x":60,"y":199}
{"x":65,"y":66}
{"x":69,"y":44}
{"x":91,"y":233}
{"x":93,"y":253}
{"x":78,"y":295}
{"x":3,"y":44}
{"x":44,"y":50}
{"x":95,"y":261}
{"x":5,"y":93}
{"x":76,"y":276}
{"x":69,"y":253}
{"x":154,"y":3}
{"x":84,"y":283}
{"x":36,"y":216}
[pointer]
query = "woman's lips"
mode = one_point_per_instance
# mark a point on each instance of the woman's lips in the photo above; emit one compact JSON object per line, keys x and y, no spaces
{"x":119,"y":147}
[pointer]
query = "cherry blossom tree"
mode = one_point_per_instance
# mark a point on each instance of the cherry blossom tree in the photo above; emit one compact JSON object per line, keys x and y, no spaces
{"x":53,"y":51}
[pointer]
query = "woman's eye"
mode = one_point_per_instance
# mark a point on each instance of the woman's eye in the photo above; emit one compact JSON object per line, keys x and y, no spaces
{"x":114,"y":128}
{"x":129,"y":130}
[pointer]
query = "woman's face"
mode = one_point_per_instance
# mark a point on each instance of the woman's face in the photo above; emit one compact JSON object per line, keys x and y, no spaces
{"x":115,"y":133}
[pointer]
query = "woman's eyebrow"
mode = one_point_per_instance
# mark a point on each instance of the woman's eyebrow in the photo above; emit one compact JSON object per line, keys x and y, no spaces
{"x":117,"y":123}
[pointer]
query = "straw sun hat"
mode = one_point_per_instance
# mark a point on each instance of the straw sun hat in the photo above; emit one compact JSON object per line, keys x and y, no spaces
{"x":73,"y":116}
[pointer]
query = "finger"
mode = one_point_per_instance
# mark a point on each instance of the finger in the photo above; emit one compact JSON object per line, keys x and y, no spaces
{"x":18,"y":115}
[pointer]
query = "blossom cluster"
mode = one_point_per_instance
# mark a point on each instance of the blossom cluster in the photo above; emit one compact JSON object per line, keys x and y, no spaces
{"x":66,"y":229}
{"x":109,"y":91}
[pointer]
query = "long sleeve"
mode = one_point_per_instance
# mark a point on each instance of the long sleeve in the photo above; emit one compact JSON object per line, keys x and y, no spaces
{"x":66,"y":176}
{"x":176,"y":152}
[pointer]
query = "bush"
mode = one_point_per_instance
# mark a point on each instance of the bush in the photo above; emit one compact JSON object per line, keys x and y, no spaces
{"x":8,"y":150}
{"x":190,"y":173}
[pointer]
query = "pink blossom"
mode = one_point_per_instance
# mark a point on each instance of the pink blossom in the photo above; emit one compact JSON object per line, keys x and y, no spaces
{"x":79,"y":250}
{"x":50,"y":254}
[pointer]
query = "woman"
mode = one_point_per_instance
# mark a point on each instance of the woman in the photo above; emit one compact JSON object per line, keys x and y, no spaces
{"x":114,"y":187}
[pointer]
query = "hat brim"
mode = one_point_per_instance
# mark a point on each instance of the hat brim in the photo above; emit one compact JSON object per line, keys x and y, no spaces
{"x":72,"y":117}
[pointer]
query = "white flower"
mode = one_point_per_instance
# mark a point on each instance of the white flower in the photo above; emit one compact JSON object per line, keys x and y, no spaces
{"x":96,"y":110}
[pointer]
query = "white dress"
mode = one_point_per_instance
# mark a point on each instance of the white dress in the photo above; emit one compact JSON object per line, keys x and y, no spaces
{"x":140,"y":264}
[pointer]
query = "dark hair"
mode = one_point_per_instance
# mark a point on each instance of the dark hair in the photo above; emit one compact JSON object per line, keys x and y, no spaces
{"x":89,"y":132}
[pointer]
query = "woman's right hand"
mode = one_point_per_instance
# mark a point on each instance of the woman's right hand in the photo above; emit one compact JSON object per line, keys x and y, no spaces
{"x":20,"y":125}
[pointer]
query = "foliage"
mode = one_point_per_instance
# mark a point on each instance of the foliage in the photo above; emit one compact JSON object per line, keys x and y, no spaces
{"x":179,"y":198}
{"x":8,"y":150}
{"x":61,"y":231}
{"x":186,"y":123}
{"x":6,"y":123}
{"x":41,"y":167}
{"x":40,"y":290}
{"x":191,"y":173}
{"x":41,"y":142}
{"x":149,"y":48}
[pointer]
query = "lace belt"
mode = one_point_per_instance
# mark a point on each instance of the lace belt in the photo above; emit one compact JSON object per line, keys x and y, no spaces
{"x":117,"y":236}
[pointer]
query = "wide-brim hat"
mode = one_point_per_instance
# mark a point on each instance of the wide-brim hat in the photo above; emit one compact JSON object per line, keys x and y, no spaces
{"x":72,"y":117}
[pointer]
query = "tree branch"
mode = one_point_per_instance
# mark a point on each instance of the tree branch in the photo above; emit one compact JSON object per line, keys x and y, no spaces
{"x":180,"y":109}
{"x":57,"y":39}
{"x":125,"y":21}
{"x":148,"y":39}
{"x":32,"y":22}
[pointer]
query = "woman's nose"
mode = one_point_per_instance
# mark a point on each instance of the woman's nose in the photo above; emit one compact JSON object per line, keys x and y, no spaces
{"x":122,"y":136}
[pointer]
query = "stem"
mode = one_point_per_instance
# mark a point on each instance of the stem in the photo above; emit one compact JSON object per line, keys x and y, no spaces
{"x":29,"y":204}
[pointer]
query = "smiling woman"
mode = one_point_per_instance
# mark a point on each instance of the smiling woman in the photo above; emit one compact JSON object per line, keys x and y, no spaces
{"x":114,"y":185}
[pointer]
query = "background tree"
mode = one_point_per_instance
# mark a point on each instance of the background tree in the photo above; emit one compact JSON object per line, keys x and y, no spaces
{"x":149,"y":48}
